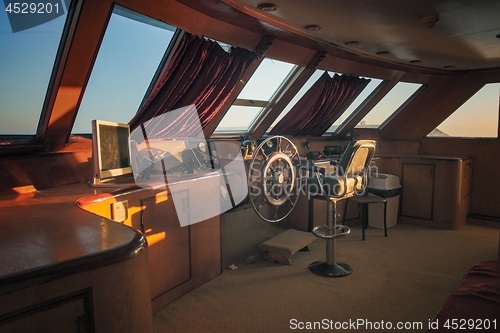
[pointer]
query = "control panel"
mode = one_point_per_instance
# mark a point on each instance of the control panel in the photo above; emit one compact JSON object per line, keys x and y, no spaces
{"x":203,"y":154}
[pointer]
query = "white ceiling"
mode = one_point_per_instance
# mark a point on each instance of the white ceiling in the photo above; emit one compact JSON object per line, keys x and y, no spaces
{"x":465,"y":37}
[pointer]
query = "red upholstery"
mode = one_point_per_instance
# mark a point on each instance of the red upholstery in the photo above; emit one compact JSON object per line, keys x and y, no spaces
{"x":477,"y":297}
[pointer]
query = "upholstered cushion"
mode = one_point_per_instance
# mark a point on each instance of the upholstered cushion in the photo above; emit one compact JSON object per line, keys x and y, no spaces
{"x":281,"y":247}
{"x":334,"y":185}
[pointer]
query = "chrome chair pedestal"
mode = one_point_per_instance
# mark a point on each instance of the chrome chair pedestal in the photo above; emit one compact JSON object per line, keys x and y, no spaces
{"x":350,"y":178}
{"x":332,"y":231}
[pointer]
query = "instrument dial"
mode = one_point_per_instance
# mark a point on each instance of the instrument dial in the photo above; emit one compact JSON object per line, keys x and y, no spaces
{"x":202,"y":146}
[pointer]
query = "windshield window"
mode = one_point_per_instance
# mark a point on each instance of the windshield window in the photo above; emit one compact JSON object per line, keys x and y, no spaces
{"x":131,"y":51}
{"x":27,"y":53}
{"x":256,"y":95}
{"x":390,"y":104}
{"x":476,"y":118}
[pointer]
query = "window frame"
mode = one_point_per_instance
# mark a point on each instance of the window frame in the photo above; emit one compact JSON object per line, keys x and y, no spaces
{"x":403,"y":105}
{"x":381,"y":84}
{"x":30,"y":142}
{"x":469,"y":137}
{"x":358,"y":109}
{"x":265,"y":106}
{"x":117,"y":9}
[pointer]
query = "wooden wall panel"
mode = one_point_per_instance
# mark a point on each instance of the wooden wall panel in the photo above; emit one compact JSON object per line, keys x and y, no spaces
{"x":44,"y":170}
{"x":205,"y":246}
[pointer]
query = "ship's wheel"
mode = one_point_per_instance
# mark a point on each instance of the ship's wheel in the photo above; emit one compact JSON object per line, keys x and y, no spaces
{"x":273,"y":181}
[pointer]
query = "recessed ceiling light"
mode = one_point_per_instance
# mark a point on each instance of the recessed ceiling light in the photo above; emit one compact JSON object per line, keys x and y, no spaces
{"x":267,"y":7}
{"x":313,"y":27}
{"x":449,"y":67}
{"x":352,"y":43}
{"x":383,"y":53}
{"x":415,"y":61}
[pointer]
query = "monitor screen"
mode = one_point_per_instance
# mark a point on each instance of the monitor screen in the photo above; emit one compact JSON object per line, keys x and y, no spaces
{"x":110,"y":149}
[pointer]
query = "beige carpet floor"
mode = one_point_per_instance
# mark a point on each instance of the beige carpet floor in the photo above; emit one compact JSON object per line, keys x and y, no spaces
{"x":403,"y":278}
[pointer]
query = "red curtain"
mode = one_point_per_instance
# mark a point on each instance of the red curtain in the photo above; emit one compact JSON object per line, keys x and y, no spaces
{"x":201,"y":73}
{"x":320,"y":106}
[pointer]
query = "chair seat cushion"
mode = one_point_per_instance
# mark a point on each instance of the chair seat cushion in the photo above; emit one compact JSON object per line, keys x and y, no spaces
{"x":334,"y":185}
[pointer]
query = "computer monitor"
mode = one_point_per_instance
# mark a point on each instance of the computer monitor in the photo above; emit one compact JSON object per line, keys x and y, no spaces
{"x":110,"y":150}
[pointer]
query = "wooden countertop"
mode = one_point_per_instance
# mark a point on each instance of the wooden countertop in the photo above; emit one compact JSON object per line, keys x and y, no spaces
{"x":47,"y":236}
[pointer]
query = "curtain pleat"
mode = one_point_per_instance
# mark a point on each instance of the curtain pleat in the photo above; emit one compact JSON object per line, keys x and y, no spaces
{"x":200,"y":73}
{"x":320,"y":106}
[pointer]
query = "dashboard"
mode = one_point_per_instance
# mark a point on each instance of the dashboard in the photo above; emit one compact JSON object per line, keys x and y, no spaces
{"x":203,"y":154}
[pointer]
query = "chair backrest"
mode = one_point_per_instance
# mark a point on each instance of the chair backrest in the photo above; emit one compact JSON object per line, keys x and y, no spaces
{"x":351,"y":173}
{"x":356,"y":158}
{"x":353,"y":166}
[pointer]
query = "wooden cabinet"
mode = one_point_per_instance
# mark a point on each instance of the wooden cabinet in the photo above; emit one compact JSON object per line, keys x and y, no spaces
{"x":435,"y":190}
{"x":418,"y":190}
{"x":66,"y":270}
{"x":182,"y":227}
{"x":113,"y":298}
{"x":168,"y":242}
{"x":66,"y":315}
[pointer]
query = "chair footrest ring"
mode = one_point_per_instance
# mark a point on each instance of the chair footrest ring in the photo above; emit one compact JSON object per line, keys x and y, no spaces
{"x":318,"y":232}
